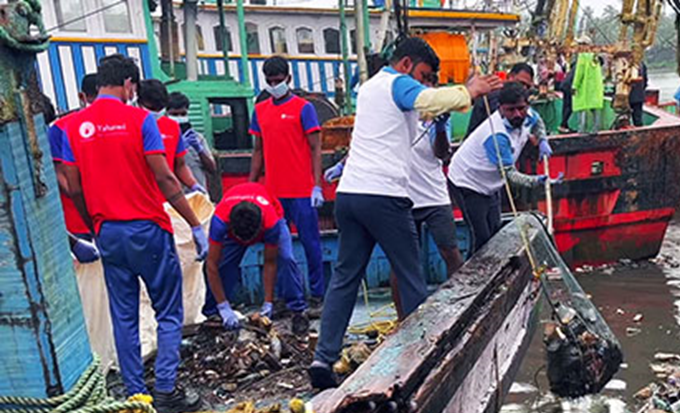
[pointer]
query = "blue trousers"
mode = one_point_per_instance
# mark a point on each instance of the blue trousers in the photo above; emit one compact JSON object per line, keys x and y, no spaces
{"x":141,"y":249}
{"x":288,"y":279}
{"x":300,"y":212}
{"x":363,"y":221}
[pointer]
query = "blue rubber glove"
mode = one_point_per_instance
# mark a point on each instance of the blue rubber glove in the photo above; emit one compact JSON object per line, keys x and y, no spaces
{"x":334,"y":173}
{"x":544,"y":149}
{"x":201,"y":242}
{"x":267,"y":309}
{"x":229,"y":318}
{"x":317,"y":197}
{"x":198,"y":188}
{"x":192,"y":139}
{"x":440,"y":122}
{"x":555,"y":181}
{"x":85,"y":252}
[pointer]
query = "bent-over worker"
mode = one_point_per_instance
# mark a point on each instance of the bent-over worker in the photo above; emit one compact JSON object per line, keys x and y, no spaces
{"x":247,"y":215}
{"x":474,"y":175}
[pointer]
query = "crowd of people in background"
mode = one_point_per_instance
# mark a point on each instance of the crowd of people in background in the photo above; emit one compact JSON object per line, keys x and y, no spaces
{"x":118,"y":163}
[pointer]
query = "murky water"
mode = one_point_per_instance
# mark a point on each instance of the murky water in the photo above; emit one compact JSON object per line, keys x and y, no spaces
{"x":652,"y":290}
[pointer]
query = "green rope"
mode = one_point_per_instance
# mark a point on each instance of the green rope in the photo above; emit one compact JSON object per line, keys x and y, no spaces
{"x":88,"y":395}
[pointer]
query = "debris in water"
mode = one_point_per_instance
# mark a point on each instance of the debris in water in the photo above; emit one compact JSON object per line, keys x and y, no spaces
{"x":633,"y":331}
{"x":638,"y":317}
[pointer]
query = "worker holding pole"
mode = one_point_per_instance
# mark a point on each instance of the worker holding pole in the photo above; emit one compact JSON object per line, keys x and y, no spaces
{"x":475,"y":175}
{"x":116,"y":170}
{"x":372,"y":204}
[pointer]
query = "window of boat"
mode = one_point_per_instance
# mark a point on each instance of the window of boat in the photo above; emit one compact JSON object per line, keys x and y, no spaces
{"x":277,"y":38}
{"x":353,"y":40}
{"x":116,"y":14}
{"x":218,"y":38}
{"x":331,"y":39}
{"x":305,"y":40}
{"x":69,"y":15}
{"x":200,"y":42}
{"x":252,"y":38}
{"x":259,"y":2}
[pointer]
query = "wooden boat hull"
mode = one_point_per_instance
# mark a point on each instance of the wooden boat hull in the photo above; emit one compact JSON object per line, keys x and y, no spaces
{"x":460,"y":350}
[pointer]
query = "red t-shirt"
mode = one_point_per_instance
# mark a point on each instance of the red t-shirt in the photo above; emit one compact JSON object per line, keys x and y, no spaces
{"x":172,"y":140}
{"x":272,"y":212}
{"x":55,"y":134}
{"x":284,"y":127}
{"x":108,"y":142}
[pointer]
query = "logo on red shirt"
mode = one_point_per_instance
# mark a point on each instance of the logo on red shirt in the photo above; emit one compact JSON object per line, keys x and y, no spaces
{"x":87,"y":130}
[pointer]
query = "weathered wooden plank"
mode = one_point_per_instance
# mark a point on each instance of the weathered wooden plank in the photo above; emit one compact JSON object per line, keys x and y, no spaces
{"x":400,"y":366}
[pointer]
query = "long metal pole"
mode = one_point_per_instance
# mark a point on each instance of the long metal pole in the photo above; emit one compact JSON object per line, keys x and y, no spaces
{"x":345,"y":58}
{"x":223,"y":33}
{"x":361,"y":40}
{"x":242,"y":35}
{"x":156,"y":69}
{"x":190,"y":45}
{"x":365,"y":15}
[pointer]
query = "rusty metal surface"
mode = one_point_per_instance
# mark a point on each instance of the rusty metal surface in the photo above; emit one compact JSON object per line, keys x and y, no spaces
{"x":22,"y":35}
{"x":426,"y":361}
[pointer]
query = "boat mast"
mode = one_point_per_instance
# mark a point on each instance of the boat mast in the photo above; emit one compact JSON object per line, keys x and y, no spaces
{"x":223,"y":35}
{"x":360,"y":39}
{"x":242,"y":35}
{"x":345,"y":57}
{"x":191,"y":46}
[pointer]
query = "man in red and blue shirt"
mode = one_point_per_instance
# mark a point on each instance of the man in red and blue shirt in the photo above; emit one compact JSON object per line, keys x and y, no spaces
{"x":153,"y":96}
{"x":116,"y":169}
{"x":288,"y":145}
{"x":247,"y":215}
{"x":79,"y":234}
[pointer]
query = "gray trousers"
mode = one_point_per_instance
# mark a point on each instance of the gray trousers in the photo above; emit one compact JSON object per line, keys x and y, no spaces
{"x":363,"y":221}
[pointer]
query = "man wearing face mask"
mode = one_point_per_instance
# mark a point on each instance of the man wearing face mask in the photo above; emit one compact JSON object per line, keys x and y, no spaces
{"x":288,"y":148}
{"x":153,"y":96}
{"x":372,"y":205}
{"x":198,"y":158}
{"x":475,"y":178}
{"x":115,"y":167}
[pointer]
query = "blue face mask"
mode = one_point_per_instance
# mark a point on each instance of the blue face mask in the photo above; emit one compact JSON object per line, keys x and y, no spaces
{"x":157,"y":115}
{"x":180,"y":119}
{"x":278,"y":91}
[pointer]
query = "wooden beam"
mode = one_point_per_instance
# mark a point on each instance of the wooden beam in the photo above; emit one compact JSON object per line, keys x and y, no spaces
{"x":432,"y":353}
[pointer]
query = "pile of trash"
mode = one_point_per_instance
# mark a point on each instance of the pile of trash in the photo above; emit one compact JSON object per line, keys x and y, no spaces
{"x":664,"y":394}
{"x":263,"y":360}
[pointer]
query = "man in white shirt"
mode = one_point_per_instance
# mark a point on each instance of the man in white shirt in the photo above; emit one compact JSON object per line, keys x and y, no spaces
{"x":475,"y":175}
{"x":372,"y":203}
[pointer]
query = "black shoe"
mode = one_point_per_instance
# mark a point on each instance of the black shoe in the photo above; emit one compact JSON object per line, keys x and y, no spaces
{"x":322,"y":377}
{"x":177,"y":401}
{"x":299,"y":324}
{"x":315,"y":308}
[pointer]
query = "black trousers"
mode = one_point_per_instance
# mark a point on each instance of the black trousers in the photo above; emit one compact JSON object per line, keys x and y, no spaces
{"x":481,"y":212}
{"x":637,"y":113}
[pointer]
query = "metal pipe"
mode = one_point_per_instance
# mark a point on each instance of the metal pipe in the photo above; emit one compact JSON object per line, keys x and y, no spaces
{"x":365,"y":15}
{"x":361,"y":40}
{"x":156,"y":69}
{"x":345,"y":57}
{"x":190,"y":44}
{"x":243,"y":40}
{"x":223,"y":32}
{"x":569,"y":39}
{"x":384,"y":26}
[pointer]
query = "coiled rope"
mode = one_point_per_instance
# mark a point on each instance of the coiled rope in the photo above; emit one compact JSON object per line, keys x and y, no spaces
{"x":87,"y":396}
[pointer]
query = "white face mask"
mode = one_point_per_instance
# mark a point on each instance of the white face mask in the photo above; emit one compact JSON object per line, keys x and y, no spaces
{"x":278,"y":91}
{"x":180,"y":119}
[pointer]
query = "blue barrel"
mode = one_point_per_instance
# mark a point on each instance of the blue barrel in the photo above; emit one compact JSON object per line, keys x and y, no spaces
{"x":44,"y":346}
